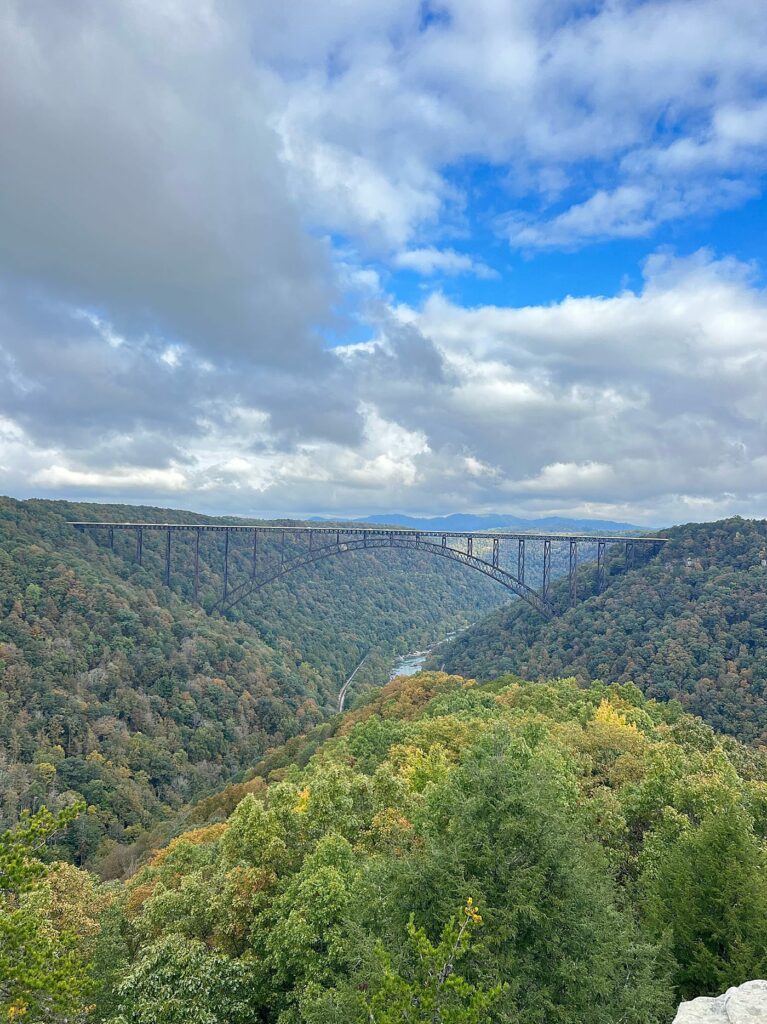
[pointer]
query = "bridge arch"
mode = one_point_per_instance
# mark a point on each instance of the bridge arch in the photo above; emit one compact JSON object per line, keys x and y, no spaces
{"x":401,"y":541}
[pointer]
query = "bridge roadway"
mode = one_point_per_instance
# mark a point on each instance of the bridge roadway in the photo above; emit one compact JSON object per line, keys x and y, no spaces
{"x":491,"y":555}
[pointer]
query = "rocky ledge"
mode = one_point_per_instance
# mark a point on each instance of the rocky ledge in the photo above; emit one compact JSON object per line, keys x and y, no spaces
{"x":743,"y":1004}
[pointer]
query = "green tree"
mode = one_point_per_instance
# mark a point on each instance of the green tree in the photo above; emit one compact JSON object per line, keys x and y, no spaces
{"x":179,"y":981}
{"x":305,"y":942}
{"x":42,"y":974}
{"x":707,"y":886}
{"x":432,"y":992}
{"x":507,"y":824}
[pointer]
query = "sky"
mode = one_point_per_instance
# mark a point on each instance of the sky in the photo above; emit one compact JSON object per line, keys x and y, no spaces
{"x":386,"y":255}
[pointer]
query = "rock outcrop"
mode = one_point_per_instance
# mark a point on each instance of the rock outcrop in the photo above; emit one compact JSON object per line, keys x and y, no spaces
{"x":743,"y":1004}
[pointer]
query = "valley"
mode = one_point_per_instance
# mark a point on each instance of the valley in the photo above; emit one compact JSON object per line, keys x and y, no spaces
{"x":120,"y":690}
{"x":207,"y":813}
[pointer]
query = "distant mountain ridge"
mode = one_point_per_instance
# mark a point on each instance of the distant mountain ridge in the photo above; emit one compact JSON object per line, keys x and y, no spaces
{"x":463,"y":522}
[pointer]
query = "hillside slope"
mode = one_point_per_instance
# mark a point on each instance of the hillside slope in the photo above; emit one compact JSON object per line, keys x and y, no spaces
{"x":509,"y":853}
{"x":690,"y":625}
{"x":117,"y":689}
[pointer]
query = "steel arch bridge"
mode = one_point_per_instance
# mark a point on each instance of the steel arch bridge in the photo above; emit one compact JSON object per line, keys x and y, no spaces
{"x":276,"y":551}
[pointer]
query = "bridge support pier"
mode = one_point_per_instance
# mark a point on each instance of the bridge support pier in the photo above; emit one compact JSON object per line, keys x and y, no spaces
{"x":167,"y":558}
{"x":226,"y":567}
{"x":197,"y":566}
{"x":600,"y":566}
{"x":573,"y":572}
{"x":629,"y":554}
{"x":546,"y":569}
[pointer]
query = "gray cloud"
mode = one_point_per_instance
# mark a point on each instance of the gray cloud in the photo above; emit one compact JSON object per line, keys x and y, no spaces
{"x":647,"y":405}
{"x":140,"y":186}
{"x":140,"y":177}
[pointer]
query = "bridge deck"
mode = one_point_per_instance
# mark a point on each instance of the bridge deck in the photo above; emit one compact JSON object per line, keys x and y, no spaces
{"x":370,"y":531}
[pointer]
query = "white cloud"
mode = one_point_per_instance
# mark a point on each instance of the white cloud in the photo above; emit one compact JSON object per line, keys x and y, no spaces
{"x":376,"y":110}
{"x":644,"y":399}
{"x":431,"y":261}
{"x":186,"y":126}
{"x":118,"y":480}
{"x":623,"y":213}
{"x":629,"y":211}
{"x":562,"y":478}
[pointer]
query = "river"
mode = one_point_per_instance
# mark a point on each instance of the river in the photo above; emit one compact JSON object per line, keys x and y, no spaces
{"x":411,"y":663}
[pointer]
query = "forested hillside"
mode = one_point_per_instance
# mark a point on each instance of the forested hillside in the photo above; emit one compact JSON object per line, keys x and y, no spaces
{"x":689,"y":625}
{"x":509,"y":853}
{"x":117,"y":690}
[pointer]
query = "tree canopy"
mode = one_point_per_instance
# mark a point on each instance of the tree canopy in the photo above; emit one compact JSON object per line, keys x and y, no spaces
{"x":512,"y":852}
